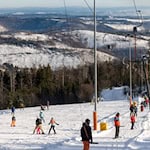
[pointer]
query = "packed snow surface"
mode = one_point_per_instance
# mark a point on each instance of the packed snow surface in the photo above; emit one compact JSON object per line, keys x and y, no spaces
{"x":70,"y":118}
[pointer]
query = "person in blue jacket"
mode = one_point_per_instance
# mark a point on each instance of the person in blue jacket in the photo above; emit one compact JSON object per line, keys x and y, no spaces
{"x":13,"y":110}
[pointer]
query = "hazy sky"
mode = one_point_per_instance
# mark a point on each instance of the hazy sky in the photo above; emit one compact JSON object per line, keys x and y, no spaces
{"x":60,"y":3}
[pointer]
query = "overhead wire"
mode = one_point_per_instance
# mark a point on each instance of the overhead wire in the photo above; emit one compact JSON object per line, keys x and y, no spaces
{"x":140,"y":17}
{"x":135,"y":5}
{"x":139,"y":14}
{"x":66,"y":14}
{"x":88,"y":6}
{"x":66,"y":17}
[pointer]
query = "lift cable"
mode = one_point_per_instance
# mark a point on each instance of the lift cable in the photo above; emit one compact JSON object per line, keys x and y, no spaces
{"x":139,"y":14}
{"x":67,"y":18}
{"x":88,"y":6}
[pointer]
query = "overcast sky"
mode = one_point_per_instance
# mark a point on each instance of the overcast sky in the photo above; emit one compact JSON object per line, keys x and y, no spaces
{"x":60,"y":3}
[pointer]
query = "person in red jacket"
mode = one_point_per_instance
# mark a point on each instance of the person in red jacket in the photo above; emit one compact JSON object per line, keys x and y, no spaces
{"x":132,"y":121}
{"x":117,"y":124}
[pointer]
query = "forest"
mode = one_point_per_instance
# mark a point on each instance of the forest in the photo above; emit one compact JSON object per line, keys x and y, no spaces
{"x":35,"y":86}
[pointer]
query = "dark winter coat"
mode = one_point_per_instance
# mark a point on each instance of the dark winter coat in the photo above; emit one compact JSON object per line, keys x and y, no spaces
{"x":38,"y":121}
{"x":13,"y":109}
{"x":86,"y":133}
{"x":132,"y":110}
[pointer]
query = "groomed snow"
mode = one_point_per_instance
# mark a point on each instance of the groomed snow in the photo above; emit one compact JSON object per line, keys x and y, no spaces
{"x":70,"y":118}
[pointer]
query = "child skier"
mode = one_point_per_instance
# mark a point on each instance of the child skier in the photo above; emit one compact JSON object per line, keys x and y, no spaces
{"x":38,"y":126}
{"x":13,"y":122}
{"x":52,"y":122}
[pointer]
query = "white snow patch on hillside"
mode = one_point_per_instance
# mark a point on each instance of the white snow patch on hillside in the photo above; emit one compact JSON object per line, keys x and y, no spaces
{"x":33,"y":37}
{"x":124,"y":27}
{"x":58,"y":54}
{"x":56,"y":58}
{"x":2,"y":29}
{"x":112,"y":39}
{"x":18,"y":13}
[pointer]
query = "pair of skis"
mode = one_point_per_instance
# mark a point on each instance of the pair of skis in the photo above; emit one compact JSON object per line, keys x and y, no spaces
{"x":94,"y":143}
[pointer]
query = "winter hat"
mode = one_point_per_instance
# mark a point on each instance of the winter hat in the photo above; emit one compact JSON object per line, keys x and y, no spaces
{"x":87,"y":121}
{"x":117,"y":114}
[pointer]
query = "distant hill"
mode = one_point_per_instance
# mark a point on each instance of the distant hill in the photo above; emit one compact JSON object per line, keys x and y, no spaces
{"x":41,"y":36}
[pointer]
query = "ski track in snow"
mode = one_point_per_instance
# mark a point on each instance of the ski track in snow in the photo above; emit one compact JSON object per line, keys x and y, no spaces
{"x":70,"y":118}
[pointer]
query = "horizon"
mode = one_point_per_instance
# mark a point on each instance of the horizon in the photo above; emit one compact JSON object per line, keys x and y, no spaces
{"x":57,"y":7}
{"x":76,"y":10}
{"x":70,"y":3}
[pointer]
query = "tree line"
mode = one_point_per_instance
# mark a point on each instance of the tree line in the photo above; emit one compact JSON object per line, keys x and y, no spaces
{"x":33,"y":86}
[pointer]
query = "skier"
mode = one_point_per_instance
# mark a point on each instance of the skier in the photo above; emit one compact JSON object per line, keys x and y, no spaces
{"x":47,"y":104}
{"x":41,"y":115}
{"x":52,"y":123}
{"x":132,"y":120}
{"x":38,"y":126}
{"x":131,"y":109}
{"x":146,"y":101}
{"x":135,"y":110}
{"x":13,"y":110}
{"x":13,"y":122}
{"x":142,"y":106}
{"x":86,"y":134}
{"x":117,"y":124}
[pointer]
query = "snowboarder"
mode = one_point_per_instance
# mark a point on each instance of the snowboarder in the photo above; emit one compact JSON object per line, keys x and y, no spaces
{"x":38,"y":126}
{"x":117,"y":124}
{"x":132,"y":120}
{"x":86,"y":134}
{"x":52,"y":123}
{"x":13,"y":122}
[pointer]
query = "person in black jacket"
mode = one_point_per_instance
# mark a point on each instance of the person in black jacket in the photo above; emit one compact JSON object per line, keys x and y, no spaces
{"x":86,"y":134}
{"x":131,"y":109}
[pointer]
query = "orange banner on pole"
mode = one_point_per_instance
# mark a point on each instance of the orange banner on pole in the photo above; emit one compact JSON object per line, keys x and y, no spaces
{"x":95,"y":120}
